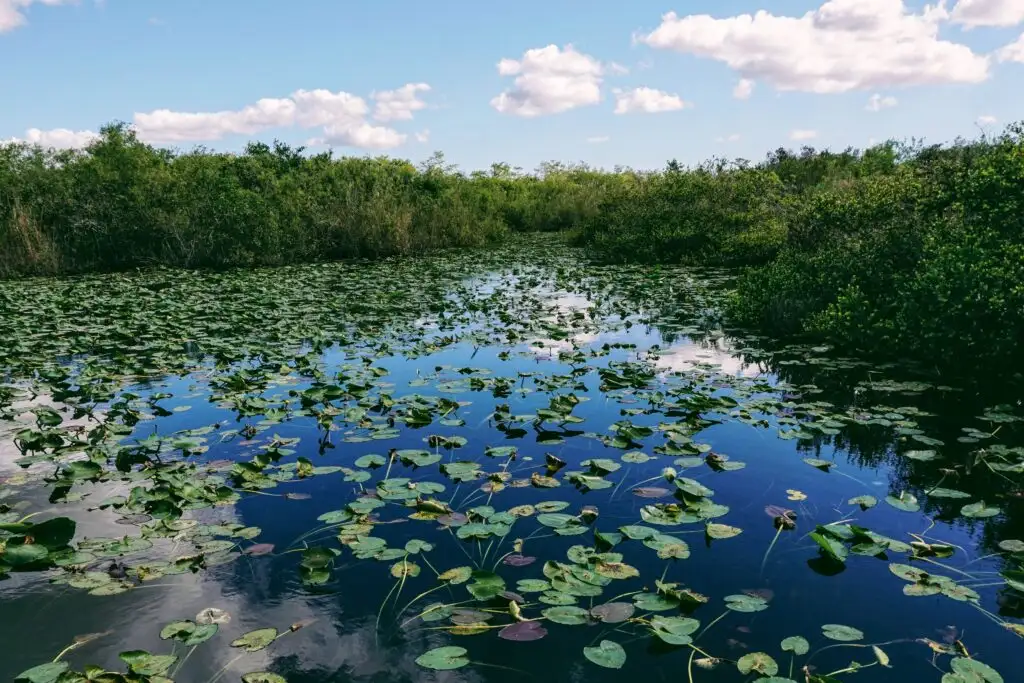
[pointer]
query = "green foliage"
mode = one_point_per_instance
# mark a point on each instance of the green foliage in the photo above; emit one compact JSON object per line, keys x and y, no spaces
{"x":925,"y":260}
{"x":122,"y":204}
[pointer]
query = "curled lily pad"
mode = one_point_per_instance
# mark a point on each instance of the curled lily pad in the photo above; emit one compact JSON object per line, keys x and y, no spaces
{"x":44,"y":673}
{"x":517,"y":560}
{"x":607,"y":653}
{"x":722,"y":531}
{"x":443,"y":658}
{"x":1012,"y":546}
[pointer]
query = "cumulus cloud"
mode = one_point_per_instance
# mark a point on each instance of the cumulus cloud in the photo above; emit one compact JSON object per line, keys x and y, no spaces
{"x":647,"y":101}
{"x":58,"y":138}
{"x":12,"y":12}
{"x":843,"y":45}
{"x":973,"y":13}
{"x":1014,"y":52}
{"x":549,"y":80}
{"x":423,"y":136}
{"x":877,"y":102}
{"x":340,"y":115}
{"x":986,"y":120}
{"x":743,"y":89}
{"x":802,"y":134}
{"x":399,"y":105}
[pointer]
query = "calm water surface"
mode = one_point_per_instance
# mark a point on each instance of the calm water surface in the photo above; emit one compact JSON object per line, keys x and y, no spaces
{"x":498,"y":336}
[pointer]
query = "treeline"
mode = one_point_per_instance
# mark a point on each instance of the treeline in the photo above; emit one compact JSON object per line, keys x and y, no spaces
{"x":901,"y":249}
{"x":121,"y":203}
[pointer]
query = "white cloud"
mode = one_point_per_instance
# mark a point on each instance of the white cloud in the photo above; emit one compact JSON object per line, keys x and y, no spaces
{"x":617,"y":68}
{"x":647,"y":101}
{"x":59,"y":138}
{"x":800,"y":134}
{"x":399,"y":105}
{"x":341,"y":115}
{"x":735,"y":137}
{"x":743,"y":89}
{"x":877,"y":102}
{"x":549,"y":80}
{"x":986,"y":120}
{"x":843,"y":45}
{"x":973,"y":13}
{"x":423,"y":136}
{"x":12,"y":12}
{"x":362,"y":135}
{"x":1014,"y":52}
{"x":598,"y":139}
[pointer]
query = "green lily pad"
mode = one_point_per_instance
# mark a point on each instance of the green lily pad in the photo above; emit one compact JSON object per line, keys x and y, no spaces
{"x":44,"y":673}
{"x":759,"y":662}
{"x":254,"y":641}
{"x":746,"y":603}
{"x":607,"y":653}
{"x":979,"y":510}
{"x":905,"y":501}
{"x":841,"y":633}
{"x":798,"y":645}
{"x":443,"y":658}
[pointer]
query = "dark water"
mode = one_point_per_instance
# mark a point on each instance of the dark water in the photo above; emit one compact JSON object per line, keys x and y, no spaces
{"x":570,"y":322}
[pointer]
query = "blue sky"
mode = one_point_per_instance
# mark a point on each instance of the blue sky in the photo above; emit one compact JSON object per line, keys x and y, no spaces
{"x":809,"y":69}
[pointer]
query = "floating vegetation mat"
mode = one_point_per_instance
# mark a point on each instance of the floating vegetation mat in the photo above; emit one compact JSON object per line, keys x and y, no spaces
{"x":484,"y":466}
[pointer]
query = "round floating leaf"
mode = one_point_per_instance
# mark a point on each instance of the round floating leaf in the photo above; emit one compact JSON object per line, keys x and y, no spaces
{"x":405,"y":569}
{"x":865,"y":502}
{"x":44,"y":673}
{"x":905,"y":501}
{"x":551,"y":506}
{"x":798,"y":645}
{"x":760,"y":662}
{"x":613,"y":612}
{"x":651,"y":492}
{"x":443,"y":658}
{"x":979,"y":510}
{"x":263,"y":677}
{"x":722,"y":531}
{"x":567,"y":615}
{"x":523,"y":631}
{"x":555,"y":520}
{"x":973,"y":670}
{"x":674,"y":630}
{"x":1012,"y":546}
{"x":254,"y":641}
{"x":636,"y":457}
{"x":841,"y":633}
{"x":921,"y":590}
{"x":371,"y":460}
{"x":177,"y":629}
{"x":608,"y":654}
{"x":746,"y":603}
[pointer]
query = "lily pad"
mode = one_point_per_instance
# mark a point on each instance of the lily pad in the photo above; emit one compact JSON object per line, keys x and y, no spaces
{"x":443,"y":658}
{"x":798,"y":645}
{"x":607,"y":653}
{"x":253,"y":641}
{"x":842,"y":633}
{"x":759,"y":662}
